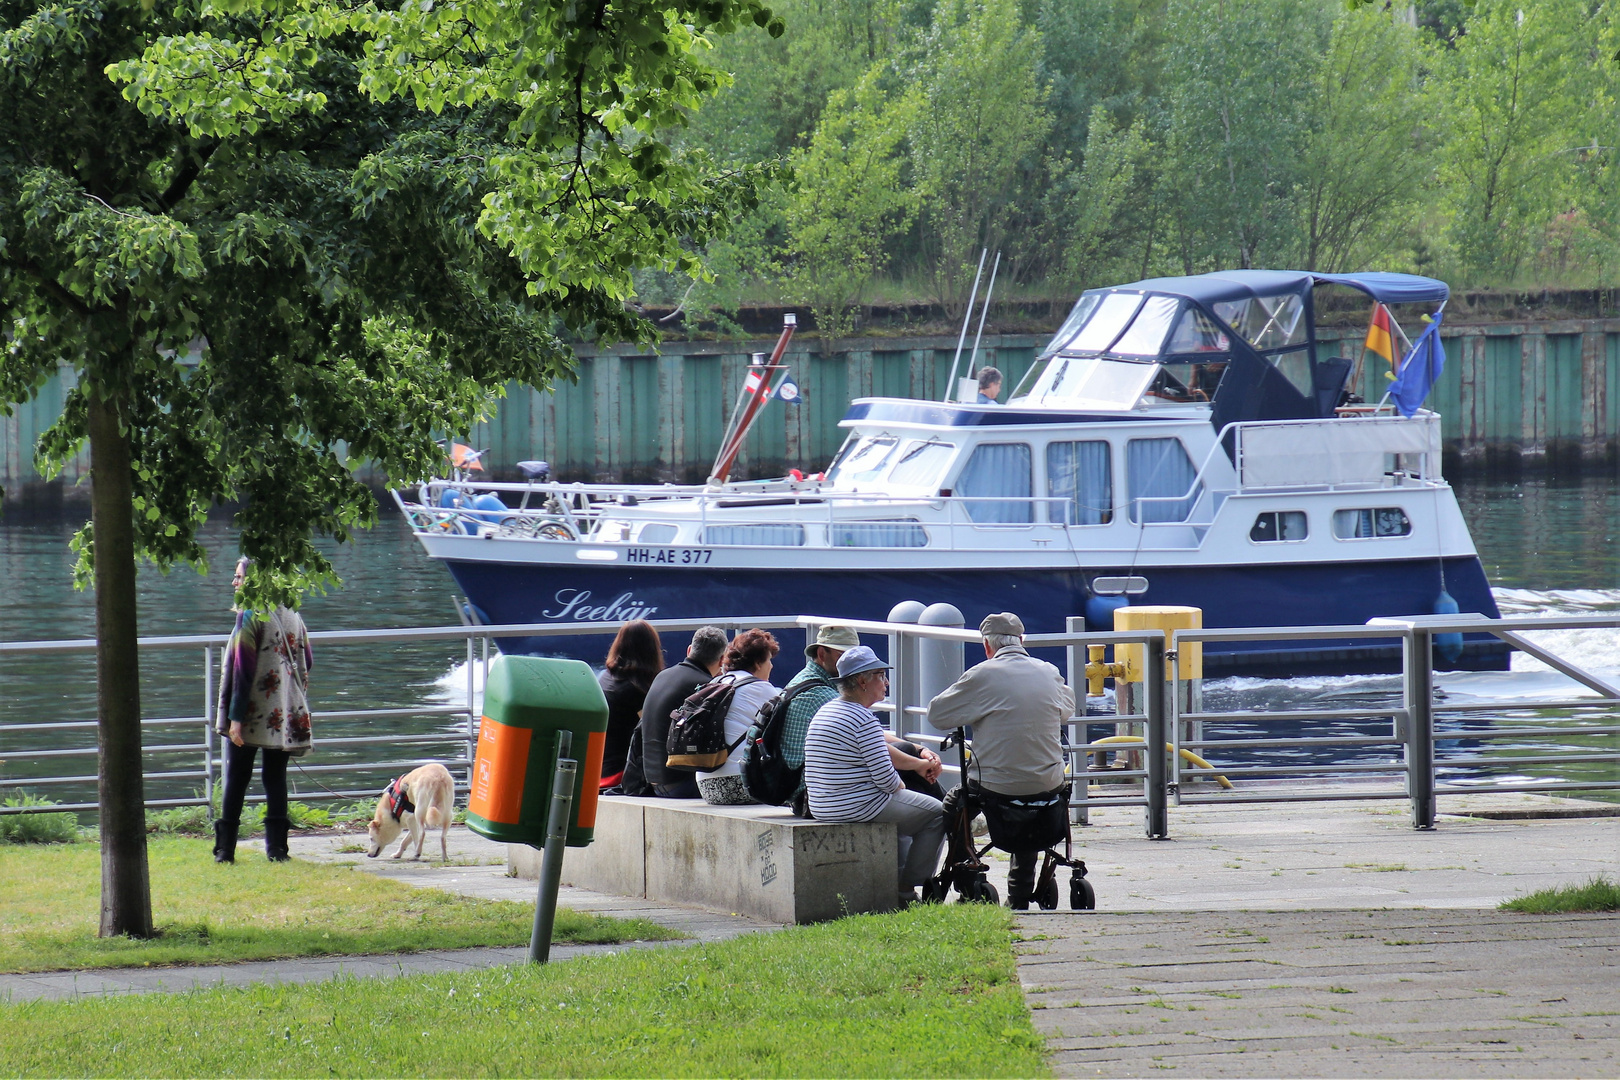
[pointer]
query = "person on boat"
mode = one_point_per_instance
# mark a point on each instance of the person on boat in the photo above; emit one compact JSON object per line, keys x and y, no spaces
{"x":669,"y":689}
{"x":633,"y":661}
{"x":850,"y":775}
{"x":263,"y":706}
{"x":1017,"y":706}
{"x":989,"y":385}
{"x":747,"y":663}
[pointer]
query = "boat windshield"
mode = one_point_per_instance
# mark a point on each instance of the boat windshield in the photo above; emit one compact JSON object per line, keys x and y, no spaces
{"x":1086,"y":382}
{"x":862,"y":460}
{"x":922,"y":464}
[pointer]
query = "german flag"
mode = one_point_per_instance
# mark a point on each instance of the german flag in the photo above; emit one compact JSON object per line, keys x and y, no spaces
{"x":1381,"y":340}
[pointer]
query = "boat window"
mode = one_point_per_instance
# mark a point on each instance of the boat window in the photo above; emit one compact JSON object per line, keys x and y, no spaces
{"x":1111,"y":317}
{"x":1370,"y":523}
{"x":1266,"y":322}
{"x":1276,"y":525}
{"x":1093,"y":382}
{"x":656,"y":532}
{"x":902,"y":533}
{"x":862,"y":460}
{"x":1197,"y":333}
{"x":1077,"y":318}
{"x":922,"y":463}
{"x":1080,"y":474}
{"x":771,"y":535}
{"x":998,"y":484}
{"x":1161,"y":480}
{"x":1147,"y":331}
{"x":1032,"y":377}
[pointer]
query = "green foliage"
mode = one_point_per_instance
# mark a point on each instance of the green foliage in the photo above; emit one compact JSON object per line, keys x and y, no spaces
{"x":1515,"y":91}
{"x":979,"y":120}
{"x":252,"y":909}
{"x":932,"y":991}
{"x":849,"y":203}
{"x":1598,"y":894}
{"x":1369,"y":143}
{"x":36,"y":828}
{"x":1100,"y":195}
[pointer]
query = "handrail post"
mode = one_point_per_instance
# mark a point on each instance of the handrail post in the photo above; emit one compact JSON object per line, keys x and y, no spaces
{"x":1079,"y":812}
{"x":1418,"y":647}
{"x":1153,"y":693}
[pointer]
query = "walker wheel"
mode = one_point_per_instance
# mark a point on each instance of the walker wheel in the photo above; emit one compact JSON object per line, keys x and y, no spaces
{"x":980,"y":891}
{"x":1081,"y":895}
{"x":1046,"y":895}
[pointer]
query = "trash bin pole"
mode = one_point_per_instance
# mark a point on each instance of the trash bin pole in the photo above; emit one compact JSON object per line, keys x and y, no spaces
{"x":562,"y":799}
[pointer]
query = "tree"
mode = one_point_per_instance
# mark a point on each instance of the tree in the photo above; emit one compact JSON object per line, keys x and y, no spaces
{"x":260,"y":235}
{"x":1104,"y":185}
{"x":980,"y":117}
{"x":1367,"y":151}
{"x":1238,"y":81}
{"x":848,"y":202}
{"x":1510,"y":97}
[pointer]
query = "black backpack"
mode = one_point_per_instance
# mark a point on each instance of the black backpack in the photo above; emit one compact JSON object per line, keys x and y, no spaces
{"x":697,"y":730}
{"x":766,"y":775}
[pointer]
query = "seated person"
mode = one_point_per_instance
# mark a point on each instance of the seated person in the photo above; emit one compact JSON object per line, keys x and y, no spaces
{"x":1017,"y":706}
{"x":747,"y":662}
{"x":822,"y":655}
{"x":668,"y":690}
{"x":849,"y":770}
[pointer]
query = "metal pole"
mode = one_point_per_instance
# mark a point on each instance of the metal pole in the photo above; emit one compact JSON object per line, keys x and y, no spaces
{"x":1419,"y":648}
{"x":967,"y":316}
{"x":989,"y":291}
{"x":1079,"y":812}
{"x":208,"y":725}
{"x":1158,"y":816}
{"x":562,"y":803}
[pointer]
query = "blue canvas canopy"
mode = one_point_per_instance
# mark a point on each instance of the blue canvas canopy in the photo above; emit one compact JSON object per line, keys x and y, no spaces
{"x":1252,"y":386}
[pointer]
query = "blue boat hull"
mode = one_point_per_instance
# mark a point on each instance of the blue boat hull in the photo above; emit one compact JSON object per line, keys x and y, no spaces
{"x":1230,"y":596}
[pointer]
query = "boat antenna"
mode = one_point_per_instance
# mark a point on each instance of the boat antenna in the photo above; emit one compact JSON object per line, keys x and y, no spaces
{"x":750,"y":401}
{"x":989,"y":291}
{"x":950,"y":384}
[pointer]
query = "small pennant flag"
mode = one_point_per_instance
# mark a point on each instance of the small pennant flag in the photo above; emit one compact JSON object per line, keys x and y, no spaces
{"x":751,"y":383}
{"x":787,"y":390}
{"x":1381,"y":341}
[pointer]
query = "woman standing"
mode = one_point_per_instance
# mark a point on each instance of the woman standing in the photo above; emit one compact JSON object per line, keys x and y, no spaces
{"x":263,"y":705}
{"x":748,"y":663}
{"x":634,"y":659}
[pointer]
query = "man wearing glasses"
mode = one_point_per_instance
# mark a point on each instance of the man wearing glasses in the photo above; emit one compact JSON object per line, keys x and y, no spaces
{"x":850,"y":770}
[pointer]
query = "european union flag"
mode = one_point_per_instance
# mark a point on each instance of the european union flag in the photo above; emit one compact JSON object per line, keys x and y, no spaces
{"x":1419,"y":371}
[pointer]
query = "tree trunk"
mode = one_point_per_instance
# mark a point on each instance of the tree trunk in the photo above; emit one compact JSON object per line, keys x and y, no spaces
{"x":126,"y":893}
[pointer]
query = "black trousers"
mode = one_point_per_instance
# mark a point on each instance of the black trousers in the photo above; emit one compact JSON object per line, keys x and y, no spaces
{"x":239,"y":772}
{"x":1021,"y":874}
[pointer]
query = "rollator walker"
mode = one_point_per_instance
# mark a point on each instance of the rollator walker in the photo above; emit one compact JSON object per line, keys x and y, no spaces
{"x":1027,"y":823}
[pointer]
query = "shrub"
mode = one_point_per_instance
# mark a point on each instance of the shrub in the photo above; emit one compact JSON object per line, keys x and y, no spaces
{"x":60,"y":828}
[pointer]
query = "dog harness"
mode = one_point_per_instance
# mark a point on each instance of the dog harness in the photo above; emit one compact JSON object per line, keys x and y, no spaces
{"x":399,"y":803}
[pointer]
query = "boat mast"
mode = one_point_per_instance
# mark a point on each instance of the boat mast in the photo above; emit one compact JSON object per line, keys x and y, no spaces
{"x":989,"y":291}
{"x":749,"y":403}
{"x":950,"y":384}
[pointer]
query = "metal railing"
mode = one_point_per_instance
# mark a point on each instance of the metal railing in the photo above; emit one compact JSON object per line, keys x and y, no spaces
{"x":927,"y":658}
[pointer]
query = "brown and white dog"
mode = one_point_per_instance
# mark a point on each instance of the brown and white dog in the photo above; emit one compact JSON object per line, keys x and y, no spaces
{"x":418,"y":801}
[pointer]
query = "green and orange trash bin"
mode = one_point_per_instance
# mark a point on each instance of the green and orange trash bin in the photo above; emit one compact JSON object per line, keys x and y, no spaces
{"x":527,"y":787}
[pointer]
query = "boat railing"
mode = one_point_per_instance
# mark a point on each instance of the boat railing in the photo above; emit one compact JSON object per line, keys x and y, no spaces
{"x":1579,"y":751}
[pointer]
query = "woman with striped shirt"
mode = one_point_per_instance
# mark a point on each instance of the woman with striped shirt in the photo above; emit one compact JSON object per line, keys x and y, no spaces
{"x":850,"y":770}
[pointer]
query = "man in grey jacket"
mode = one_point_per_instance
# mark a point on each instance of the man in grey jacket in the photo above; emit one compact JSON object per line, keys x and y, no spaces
{"x":1017,"y":706}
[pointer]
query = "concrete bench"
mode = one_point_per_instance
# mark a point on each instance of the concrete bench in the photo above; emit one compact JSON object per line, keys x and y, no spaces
{"x":754,"y":860}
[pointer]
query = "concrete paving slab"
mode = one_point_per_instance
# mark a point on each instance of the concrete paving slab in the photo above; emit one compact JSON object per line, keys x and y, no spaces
{"x":1467,"y":993}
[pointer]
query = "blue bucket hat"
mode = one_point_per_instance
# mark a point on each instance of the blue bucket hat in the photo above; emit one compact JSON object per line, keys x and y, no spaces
{"x":858,"y":661}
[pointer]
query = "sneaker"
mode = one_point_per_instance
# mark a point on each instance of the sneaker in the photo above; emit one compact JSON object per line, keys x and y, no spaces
{"x":908,"y":898}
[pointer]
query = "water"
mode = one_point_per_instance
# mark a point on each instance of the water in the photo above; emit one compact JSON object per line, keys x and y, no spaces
{"x":1549,"y":548}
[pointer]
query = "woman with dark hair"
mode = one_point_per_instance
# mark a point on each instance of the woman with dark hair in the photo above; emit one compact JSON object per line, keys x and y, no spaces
{"x":634,"y":659}
{"x":747,"y":663}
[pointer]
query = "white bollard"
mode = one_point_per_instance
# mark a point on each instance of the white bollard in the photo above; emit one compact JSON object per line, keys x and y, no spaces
{"x":903,"y":679}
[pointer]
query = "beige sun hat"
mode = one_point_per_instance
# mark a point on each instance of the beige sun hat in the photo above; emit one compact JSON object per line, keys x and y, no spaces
{"x":832,"y":637}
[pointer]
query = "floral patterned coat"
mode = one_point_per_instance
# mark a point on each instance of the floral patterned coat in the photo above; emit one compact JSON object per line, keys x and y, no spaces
{"x":265,"y":682}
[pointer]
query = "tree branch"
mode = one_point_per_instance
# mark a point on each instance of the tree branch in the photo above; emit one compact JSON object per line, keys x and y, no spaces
{"x":185,"y":176}
{"x":57,"y":290}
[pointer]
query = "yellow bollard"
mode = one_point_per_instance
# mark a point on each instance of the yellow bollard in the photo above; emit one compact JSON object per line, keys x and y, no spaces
{"x":1168,"y":619}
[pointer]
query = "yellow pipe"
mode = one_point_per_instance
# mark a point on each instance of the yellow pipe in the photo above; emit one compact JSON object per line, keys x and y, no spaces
{"x":1186,"y":755}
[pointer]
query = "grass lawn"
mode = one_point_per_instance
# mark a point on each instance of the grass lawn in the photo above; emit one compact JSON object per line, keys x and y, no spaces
{"x":1599,"y":894}
{"x":253,"y":910}
{"x":932,"y":991}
